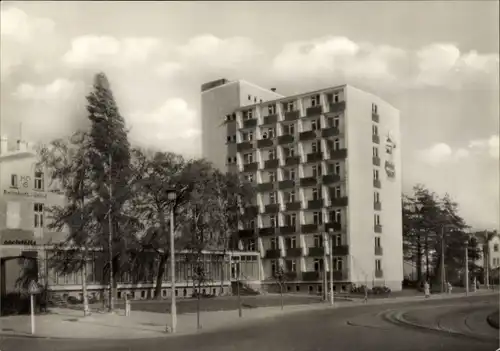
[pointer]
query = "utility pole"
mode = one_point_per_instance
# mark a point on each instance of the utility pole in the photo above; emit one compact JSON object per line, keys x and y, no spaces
{"x":332,"y":301}
{"x":467,"y":268}
{"x":110,"y":234}
{"x":325,"y":246}
{"x":172,"y":195}
{"x":442,"y":260}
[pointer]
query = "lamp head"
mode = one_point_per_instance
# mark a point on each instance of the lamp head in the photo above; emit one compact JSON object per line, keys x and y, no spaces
{"x":171,"y":195}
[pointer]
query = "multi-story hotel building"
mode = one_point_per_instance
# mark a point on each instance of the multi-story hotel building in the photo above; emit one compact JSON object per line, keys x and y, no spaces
{"x":326,"y":164}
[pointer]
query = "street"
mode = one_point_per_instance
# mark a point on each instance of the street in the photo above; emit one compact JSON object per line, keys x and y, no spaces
{"x":345,"y":329}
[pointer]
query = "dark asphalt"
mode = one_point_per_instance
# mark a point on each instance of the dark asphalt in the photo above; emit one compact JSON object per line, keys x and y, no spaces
{"x":308,"y":331}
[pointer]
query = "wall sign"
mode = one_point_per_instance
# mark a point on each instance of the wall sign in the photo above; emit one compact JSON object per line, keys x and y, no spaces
{"x":24,"y":242}
{"x":390,"y":145}
{"x":25,"y":193}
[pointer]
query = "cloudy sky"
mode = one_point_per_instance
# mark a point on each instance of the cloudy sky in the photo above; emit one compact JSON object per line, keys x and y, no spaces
{"x":436,"y":61}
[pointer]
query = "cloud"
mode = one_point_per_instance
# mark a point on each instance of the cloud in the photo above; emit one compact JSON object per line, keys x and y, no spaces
{"x":173,"y":126}
{"x":490,"y":145}
{"x":59,"y":89}
{"x":168,"y":69}
{"x":90,"y":50}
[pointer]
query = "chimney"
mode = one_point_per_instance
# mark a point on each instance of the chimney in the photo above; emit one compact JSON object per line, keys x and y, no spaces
{"x":3,"y":145}
{"x":273,"y":89}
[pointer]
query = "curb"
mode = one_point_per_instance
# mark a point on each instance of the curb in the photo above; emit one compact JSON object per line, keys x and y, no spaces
{"x":492,"y":320}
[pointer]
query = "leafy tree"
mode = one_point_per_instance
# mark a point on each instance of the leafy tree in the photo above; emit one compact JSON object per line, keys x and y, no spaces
{"x":110,"y":175}
{"x":280,"y":277}
{"x":484,"y":238}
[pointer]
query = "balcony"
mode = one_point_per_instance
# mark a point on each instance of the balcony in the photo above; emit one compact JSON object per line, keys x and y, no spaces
{"x":375,"y":117}
{"x":308,"y":181}
{"x":265,"y":187}
{"x":286,"y":184}
{"x":309,"y":135}
{"x":246,"y":233}
{"x":290,"y":275}
{"x":378,"y":251}
{"x":293,"y":206}
{"x":271,"y":163}
{"x":265,"y":143}
{"x":294,"y":252}
{"x":338,"y":275}
{"x":309,"y":228}
{"x":338,"y":154}
{"x":377,"y":184}
{"x":292,"y":161}
{"x":251,"y":211}
{"x":315,"y":204}
{"x":377,"y":206}
{"x":286,"y":139}
{"x":378,"y":228}
{"x":316,"y":251}
{"x":338,"y":201}
{"x":376,"y":139}
{"x":273,"y":253}
{"x":310,"y":276}
{"x":288,"y":230}
{"x":271,"y":119}
{"x":250,"y":123}
{"x":250,"y":167}
{"x":267,"y":231}
{"x":337,"y":106}
{"x":330,"y":132}
{"x":335,"y":226}
{"x":292,"y":115}
{"x":379,"y":273}
{"x":243,"y":146}
{"x":341,"y":250}
{"x":272,"y":208}
{"x":314,"y":111}
{"x":376,"y":161}
{"x":390,"y":169}
{"x":331,"y":178}
{"x":315,"y":157}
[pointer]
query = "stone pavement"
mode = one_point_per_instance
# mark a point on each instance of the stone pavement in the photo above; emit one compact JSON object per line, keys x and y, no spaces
{"x":67,"y":323}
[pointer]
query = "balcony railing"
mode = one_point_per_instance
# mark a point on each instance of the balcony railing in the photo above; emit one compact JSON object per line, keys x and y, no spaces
{"x":377,"y":206}
{"x":341,"y":250}
{"x":379,"y":273}
{"x":316,"y":251}
{"x":243,"y":146}
{"x":271,"y":119}
{"x":338,"y":154}
{"x":310,"y":276}
{"x":315,"y":157}
{"x":375,"y":117}
{"x":290,"y":275}
{"x":250,"y":167}
{"x":376,"y":161}
{"x":379,"y":251}
{"x":265,"y":187}
{"x":378,"y":228}
{"x":337,"y":106}
{"x":267,"y":231}
{"x":249,"y":123}
{"x":330,"y":132}
{"x":293,"y":206}
{"x":331,"y":178}
{"x":288,"y":230}
{"x":292,"y":115}
{"x":246,"y":233}
{"x":313,"y":111}
{"x":338,"y":201}
{"x":286,"y":184}
{"x":376,"y":139}
{"x":315,"y":204}
{"x":265,"y":143}
{"x":273,"y":253}
{"x":308,"y":181}
{"x":251,"y":210}
{"x":272,"y":208}
{"x":309,"y":228}
{"x":335,"y":226}
{"x":271,"y":163}
{"x":294,"y":252}
{"x":286,"y":139}
{"x":293,"y":160}
{"x":309,"y":135}
{"x":377,"y":184}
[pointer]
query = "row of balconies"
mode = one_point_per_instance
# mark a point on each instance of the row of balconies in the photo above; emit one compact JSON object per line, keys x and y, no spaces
{"x":340,"y":250}
{"x":291,"y":230}
{"x":302,"y":182}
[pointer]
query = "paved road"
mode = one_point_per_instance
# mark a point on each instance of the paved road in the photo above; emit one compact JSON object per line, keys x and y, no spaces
{"x":345,"y":329}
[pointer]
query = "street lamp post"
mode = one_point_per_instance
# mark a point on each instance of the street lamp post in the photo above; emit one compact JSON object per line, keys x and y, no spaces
{"x":332,"y":301}
{"x":467,"y":267}
{"x":172,"y":196}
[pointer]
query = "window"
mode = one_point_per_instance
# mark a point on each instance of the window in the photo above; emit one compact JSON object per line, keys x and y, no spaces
{"x":248,"y":158}
{"x":291,"y":242}
{"x":315,"y":100}
{"x":376,"y":197}
{"x":290,"y":106}
{"x":250,"y":224}
{"x":314,"y":125}
{"x":291,"y":220}
{"x":375,"y":174}
{"x":335,"y":216}
{"x":337,"y":192}
{"x":336,"y":121}
{"x":290,"y":129}
{"x":38,"y":218}
{"x":254,"y":99}
{"x":261,"y":101}
{"x":375,"y":151}
{"x":336,"y":144}
{"x":251,"y":245}
{"x":337,"y":240}
{"x":229,"y":159}
{"x":318,"y":265}
{"x":376,"y":219}
{"x":247,"y":115}
{"x":273,"y":221}
{"x":249,"y":97}
{"x":274,"y":243}
{"x":249,"y":178}
{"x":38,"y":180}
{"x":13,"y":180}
{"x":374,"y":108}
{"x":317,"y":218}
{"x":495,"y":248}
{"x":247,"y":136}
{"x":291,"y":196}
{"x":315,"y":193}
{"x":271,"y":109}
{"x":338,"y":264}
{"x":318,"y":240}
{"x":290,"y":174}
{"x":336,"y":168}
{"x":378,"y":265}
{"x":271,"y":133}
{"x":272,"y":177}
{"x":272,"y":198}
{"x":234,"y":138}
{"x":374,"y":129}
{"x":316,"y":171}
{"x":377,"y":242}
{"x":336,"y":97}
{"x":274,"y":266}
{"x":291,"y":266}
{"x":315,"y":147}
{"x":271,"y":155}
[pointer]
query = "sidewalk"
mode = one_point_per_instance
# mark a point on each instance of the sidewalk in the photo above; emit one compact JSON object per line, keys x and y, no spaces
{"x":67,"y":323}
